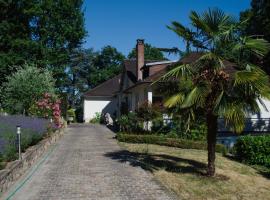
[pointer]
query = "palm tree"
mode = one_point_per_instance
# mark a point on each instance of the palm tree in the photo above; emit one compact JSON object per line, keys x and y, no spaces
{"x":224,"y":82}
{"x":183,"y":32}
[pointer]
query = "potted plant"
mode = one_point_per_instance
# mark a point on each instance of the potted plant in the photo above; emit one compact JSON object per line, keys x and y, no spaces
{"x":71,"y":115}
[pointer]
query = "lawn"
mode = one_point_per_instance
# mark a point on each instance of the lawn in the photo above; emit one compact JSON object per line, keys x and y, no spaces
{"x":181,"y":171}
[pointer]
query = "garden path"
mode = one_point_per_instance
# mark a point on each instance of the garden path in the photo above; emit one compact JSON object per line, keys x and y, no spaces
{"x":78,"y":168}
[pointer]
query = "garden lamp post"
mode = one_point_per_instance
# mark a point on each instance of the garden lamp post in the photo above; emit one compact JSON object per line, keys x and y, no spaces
{"x":19,"y":141}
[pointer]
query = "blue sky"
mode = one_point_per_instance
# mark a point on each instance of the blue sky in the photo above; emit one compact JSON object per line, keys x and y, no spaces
{"x":120,"y":22}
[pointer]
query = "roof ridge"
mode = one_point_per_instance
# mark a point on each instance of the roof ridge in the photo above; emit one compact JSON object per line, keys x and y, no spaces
{"x":101,"y":84}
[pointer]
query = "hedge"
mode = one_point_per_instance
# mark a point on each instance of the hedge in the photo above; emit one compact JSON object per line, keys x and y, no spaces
{"x":253,"y":150}
{"x":165,"y":141}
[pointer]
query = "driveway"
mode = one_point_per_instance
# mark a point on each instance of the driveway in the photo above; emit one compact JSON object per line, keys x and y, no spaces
{"x":78,"y":167}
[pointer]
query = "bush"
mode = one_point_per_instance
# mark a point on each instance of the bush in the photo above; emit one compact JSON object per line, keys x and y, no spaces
{"x":71,"y":113}
{"x":96,"y":119}
{"x":165,"y":141}
{"x":253,"y":150}
{"x":129,"y":123}
{"x":25,"y":87}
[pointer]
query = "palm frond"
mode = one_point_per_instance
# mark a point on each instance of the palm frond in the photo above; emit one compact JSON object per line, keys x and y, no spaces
{"x":263,"y":104}
{"x":174,"y":100}
{"x":258,"y":47}
{"x":181,"y":30}
{"x":180,"y":71}
{"x":244,"y":77}
{"x":199,"y":23}
{"x":196,"y":97}
{"x":218,"y":100}
{"x":234,"y":115}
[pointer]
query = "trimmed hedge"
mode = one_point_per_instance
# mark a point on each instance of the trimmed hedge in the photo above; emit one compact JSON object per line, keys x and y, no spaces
{"x":253,"y":150}
{"x":164,"y":141}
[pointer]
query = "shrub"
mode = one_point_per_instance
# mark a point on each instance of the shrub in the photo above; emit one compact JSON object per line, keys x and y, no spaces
{"x":129,"y":123}
{"x":25,"y":87}
{"x":196,"y":132}
{"x":10,"y":153}
{"x":71,"y":113}
{"x":48,"y":106}
{"x":253,"y":150}
{"x":165,"y":141}
{"x":96,"y":118}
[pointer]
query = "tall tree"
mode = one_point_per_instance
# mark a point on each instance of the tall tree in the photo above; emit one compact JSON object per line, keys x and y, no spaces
{"x":224,"y":83}
{"x":40,"y":32}
{"x":150,"y":53}
{"x":257,"y":20}
{"x":78,"y":72}
{"x":106,"y":64}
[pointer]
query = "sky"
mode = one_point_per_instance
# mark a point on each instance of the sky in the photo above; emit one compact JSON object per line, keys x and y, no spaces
{"x":120,"y":23}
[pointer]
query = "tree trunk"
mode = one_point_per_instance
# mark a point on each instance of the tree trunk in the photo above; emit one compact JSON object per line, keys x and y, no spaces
{"x":211,"y":142}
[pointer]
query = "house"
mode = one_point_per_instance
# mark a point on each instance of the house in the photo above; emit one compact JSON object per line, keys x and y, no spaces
{"x":128,"y":90}
{"x":102,"y":99}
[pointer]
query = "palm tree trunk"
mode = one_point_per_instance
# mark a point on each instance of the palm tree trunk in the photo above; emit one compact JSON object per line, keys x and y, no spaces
{"x":211,"y":121}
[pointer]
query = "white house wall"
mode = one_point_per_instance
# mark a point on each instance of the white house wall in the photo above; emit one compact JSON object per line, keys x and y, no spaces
{"x":95,"y":105}
{"x":264,"y":113}
{"x":139,"y":95}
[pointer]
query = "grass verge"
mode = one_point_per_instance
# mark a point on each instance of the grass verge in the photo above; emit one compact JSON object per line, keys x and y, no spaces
{"x":180,"y":170}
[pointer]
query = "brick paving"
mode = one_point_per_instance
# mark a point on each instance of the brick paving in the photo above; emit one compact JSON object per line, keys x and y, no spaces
{"x":78,"y":168}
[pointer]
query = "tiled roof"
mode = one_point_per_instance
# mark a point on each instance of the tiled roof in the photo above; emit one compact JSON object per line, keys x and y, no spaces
{"x":107,"y":88}
{"x":112,"y":86}
{"x":192,"y":57}
{"x":130,"y":68}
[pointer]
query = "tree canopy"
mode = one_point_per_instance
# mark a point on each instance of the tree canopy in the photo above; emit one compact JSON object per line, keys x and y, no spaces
{"x":150,"y":53}
{"x":257,"y":23}
{"x":106,"y":64}
{"x":40,"y":32}
{"x":89,"y":68}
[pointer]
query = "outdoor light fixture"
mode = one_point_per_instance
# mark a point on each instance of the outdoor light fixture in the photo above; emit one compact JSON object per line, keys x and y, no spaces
{"x":19,"y":141}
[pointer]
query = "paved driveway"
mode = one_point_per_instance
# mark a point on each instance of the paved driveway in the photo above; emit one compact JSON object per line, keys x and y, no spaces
{"x":78,"y":168}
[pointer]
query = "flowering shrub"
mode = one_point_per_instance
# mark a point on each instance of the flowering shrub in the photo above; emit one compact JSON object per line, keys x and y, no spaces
{"x":32,"y":131}
{"x":48,"y":107}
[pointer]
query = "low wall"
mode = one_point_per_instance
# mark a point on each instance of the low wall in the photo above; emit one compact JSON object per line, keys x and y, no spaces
{"x":15,"y":169}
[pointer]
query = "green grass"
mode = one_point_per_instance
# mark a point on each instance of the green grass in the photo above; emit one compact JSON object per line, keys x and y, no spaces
{"x":182,"y":171}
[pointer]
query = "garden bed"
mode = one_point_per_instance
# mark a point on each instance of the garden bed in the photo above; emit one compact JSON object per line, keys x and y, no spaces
{"x":33,"y":130}
{"x":17,"y":168}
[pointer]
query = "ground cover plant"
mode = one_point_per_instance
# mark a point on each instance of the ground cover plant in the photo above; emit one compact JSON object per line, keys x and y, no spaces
{"x":33,"y":129}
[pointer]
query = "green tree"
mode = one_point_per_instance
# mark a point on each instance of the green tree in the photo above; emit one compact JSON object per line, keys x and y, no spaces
{"x":40,"y":32}
{"x":223,"y":82}
{"x":150,"y":53}
{"x":257,"y":21}
{"x":25,"y":87}
{"x":78,"y":72}
{"x":106,"y":64}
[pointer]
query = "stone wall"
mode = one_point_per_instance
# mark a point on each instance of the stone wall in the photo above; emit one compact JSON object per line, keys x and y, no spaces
{"x":14,"y":170}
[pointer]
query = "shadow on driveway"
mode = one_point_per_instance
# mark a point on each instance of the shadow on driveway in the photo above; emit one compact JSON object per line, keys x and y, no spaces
{"x":153,"y":162}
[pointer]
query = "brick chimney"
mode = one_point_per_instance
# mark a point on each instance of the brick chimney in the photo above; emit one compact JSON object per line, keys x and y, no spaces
{"x":140,"y":58}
